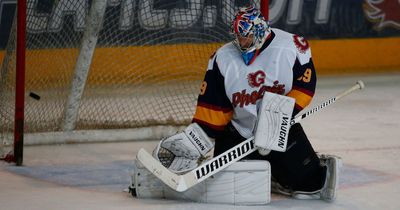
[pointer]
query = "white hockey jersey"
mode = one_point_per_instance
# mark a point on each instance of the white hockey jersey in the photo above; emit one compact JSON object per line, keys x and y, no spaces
{"x":232,"y":91}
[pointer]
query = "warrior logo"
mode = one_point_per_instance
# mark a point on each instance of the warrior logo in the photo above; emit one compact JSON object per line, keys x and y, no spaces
{"x":301,"y":43}
{"x":225,"y":158}
{"x":256,"y":79}
{"x":383,"y":13}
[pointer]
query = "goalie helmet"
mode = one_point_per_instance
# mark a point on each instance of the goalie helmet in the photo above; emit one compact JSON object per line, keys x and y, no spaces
{"x":249,"y":23}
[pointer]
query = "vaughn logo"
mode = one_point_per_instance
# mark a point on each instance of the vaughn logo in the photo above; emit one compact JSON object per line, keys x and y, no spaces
{"x":383,"y":13}
{"x":283,"y":132}
{"x":225,"y":159}
{"x":197,"y":141}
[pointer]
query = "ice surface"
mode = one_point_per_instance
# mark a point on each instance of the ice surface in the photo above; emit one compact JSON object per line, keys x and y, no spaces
{"x":363,"y":128}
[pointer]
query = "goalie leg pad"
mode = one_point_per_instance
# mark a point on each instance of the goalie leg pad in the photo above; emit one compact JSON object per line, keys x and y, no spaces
{"x":242,"y":183}
{"x":144,"y":184}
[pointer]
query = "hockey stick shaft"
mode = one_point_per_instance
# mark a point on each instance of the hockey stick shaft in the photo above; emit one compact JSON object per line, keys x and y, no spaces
{"x":359,"y":85}
{"x":181,"y":183}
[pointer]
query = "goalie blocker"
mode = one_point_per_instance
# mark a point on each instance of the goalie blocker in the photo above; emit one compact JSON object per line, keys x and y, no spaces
{"x":242,"y":183}
{"x":272,"y":129}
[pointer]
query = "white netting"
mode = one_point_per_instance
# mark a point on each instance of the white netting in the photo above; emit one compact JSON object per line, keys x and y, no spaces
{"x":147,"y":66}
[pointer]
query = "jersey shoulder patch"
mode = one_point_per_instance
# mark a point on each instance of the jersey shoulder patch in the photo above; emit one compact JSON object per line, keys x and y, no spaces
{"x":301,"y":44}
{"x":303,"y":51}
{"x":294,"y":43}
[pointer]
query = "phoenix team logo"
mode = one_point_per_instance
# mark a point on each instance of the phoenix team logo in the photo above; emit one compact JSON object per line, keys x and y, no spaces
{"x":383,"y":13}
{"x":256,"y":79}
{"x":301,"y":43}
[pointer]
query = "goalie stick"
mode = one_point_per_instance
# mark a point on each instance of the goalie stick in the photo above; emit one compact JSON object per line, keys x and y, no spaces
{"x":185,"y":181}
{"x":359,"y":85}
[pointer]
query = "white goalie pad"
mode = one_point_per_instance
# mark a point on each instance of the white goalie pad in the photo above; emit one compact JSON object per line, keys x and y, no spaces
{"x":273,"y":124}
{"x":242,"y":183}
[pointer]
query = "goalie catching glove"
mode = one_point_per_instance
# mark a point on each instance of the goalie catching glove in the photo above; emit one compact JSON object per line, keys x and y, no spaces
{"x":183,"y":151}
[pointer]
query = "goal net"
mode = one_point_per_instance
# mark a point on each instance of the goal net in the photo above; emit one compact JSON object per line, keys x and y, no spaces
{"x":110,"y":66}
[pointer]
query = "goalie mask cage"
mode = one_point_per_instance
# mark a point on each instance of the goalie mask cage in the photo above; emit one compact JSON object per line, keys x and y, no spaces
{"x":106,"y":70}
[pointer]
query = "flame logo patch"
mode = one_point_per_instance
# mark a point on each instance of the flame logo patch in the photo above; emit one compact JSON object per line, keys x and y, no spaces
{"x":383,"y":13}
{"x":301,"y":43}
{"x":256,"y":79}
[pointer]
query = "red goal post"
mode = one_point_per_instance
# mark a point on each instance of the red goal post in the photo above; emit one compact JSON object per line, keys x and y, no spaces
{"x":75,"y":71}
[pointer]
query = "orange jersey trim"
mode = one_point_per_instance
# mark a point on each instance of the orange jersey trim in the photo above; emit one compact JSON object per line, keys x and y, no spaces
{"x":212,"y":117}
{"x":302,"y":99}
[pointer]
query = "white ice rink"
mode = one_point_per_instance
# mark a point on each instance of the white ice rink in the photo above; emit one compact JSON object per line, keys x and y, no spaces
{"x":363,"y":128}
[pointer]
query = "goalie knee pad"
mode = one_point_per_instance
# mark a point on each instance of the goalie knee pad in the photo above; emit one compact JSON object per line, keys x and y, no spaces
{"x":242,"y":183}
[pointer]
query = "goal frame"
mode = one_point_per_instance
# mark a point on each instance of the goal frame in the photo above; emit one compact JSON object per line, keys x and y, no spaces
{"x":20,"y":84}
{"x":80,"y":75}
